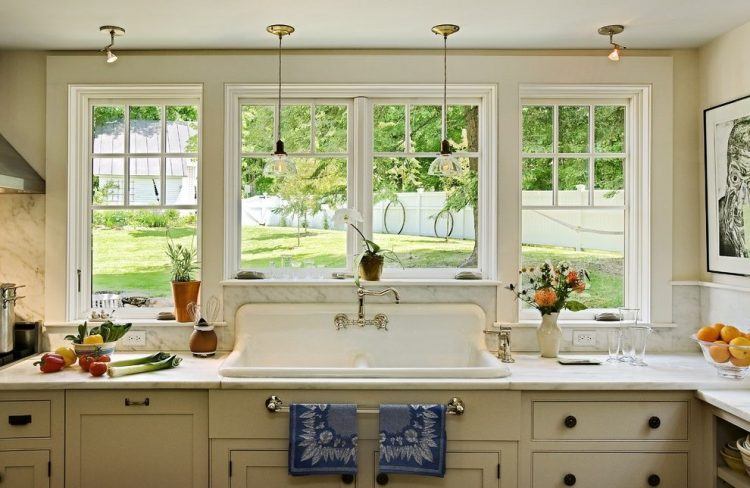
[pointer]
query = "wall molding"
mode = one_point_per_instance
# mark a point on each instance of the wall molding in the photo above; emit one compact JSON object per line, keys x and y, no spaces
{"x":711,"y":284}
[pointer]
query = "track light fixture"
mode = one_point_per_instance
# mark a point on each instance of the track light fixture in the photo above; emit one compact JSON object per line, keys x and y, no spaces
{"x":611,"y":30}
{"x":113,"y":31}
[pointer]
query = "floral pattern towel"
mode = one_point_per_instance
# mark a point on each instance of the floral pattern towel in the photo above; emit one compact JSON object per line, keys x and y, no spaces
{"x":322,"y":439}
{"x":412,"y":439}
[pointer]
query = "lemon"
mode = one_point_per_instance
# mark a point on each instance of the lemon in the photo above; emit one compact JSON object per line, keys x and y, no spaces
{"x":93,"y":339}
{"x":68,"y":355}
{"x":742,"y":352}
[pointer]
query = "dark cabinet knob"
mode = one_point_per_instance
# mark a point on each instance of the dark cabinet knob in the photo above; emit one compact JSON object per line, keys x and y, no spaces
{"x":654,"y":480}
{"x":569,"y":479}
{"x":347,"y":479}
{"x":382,"y":479}
{"x":570,"y":421}
{"x":19,"y":419}
{"x":654,"y":423}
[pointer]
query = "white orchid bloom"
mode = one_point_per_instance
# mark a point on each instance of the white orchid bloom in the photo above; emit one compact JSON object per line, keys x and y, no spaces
{"x":345,"y":216}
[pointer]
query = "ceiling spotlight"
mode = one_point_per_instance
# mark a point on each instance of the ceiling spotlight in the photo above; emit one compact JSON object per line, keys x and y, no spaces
{"x":113,"y":31}
{"x":611,"y":30}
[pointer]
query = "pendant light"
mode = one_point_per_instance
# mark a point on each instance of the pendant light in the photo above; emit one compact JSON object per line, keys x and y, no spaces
{"x":611,"y":30}
{"x":280,"y":163}
{"x":113,"y":31}
{"x":446,"y":164}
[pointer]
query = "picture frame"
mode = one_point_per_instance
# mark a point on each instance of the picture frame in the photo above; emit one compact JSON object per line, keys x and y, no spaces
{"x":726,"y":137}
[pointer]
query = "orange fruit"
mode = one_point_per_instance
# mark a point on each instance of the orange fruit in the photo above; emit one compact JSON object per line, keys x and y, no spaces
{"x":719,"y":352}
{"x":718,"y":326}
{"x":737,"y":352}
{"x":708,"y":334}
{"x":740,"y":362}
{"x":729,"y":332}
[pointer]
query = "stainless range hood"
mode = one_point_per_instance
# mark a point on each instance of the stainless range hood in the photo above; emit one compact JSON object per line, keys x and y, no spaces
{"x":17,"y":175}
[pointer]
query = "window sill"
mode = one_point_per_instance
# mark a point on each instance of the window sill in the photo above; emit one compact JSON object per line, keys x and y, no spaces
{"x":137,"y":323}
{"x":573,"y":324}
{"x":350,"y":282}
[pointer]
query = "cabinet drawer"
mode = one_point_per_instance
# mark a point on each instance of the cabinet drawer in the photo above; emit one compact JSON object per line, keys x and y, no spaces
{"x":24,"y":419}
{"x":610,"y":469}
{"x":610,"y":420}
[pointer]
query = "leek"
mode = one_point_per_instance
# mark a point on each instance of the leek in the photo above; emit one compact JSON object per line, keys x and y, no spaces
{"x":159,"y":356}
{"x":168,"y":363}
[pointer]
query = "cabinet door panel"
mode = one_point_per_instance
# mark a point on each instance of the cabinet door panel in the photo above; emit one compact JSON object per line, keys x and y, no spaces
{"x":251,"y":469}
{"x":462,"y":470}
{"x":24,"y":469}
{"x":610,"y":469}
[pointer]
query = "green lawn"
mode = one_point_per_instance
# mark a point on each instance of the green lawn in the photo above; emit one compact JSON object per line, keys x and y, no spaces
{"x":133,"y":260}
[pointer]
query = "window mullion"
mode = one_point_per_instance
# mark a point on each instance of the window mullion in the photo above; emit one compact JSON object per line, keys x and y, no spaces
{"x":163,"y":158}
{"x":592,"y":155}
{"x":126,"y":160}
{"x":555,"y":160}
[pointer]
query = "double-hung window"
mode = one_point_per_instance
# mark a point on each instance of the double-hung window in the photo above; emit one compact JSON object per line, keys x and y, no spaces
{"x":368,"y":148}
{"x":581,"y":195}
{"x":134,"y":187}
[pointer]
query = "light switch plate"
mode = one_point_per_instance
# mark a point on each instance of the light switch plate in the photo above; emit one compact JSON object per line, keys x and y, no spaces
{"x":134,"y":338}
{"x":584,"y":338}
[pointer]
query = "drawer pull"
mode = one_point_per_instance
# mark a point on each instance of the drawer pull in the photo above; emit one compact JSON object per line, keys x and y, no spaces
{"x":19,"y":419}
{"x":654,"y":480}
{"x":654,"y":422}
{"x":570,"y":421}
{"x":382,"y":479}
{"x":131,"y":403}
{"x":347,"y":479}
{"x":569,"y":479}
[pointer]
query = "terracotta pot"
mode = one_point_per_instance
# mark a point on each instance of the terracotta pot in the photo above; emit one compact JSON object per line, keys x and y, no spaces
{"x":371,"y":267}
{"x":184,"y":292}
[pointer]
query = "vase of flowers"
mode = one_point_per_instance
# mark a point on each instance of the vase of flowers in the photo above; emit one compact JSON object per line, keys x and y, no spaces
{"x":549,"y":288}
{"x":368,"y":263}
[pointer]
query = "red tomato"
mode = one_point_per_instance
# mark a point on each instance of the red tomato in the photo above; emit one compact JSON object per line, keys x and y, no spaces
{"x":97,"y":368}
{"x":102,"y":359}
{"x":85,"y":362}
{"x":50,"y":363}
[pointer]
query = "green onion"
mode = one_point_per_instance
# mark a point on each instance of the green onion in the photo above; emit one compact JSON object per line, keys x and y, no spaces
{"x":168,"y":363}
{"x":159,"y":356}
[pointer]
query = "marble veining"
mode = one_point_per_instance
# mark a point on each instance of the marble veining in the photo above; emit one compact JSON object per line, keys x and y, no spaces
{"x":22,"y":251}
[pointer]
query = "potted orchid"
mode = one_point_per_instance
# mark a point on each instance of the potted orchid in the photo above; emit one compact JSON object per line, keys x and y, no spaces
{"x":549,"y":289}
{"x":369,"y":262}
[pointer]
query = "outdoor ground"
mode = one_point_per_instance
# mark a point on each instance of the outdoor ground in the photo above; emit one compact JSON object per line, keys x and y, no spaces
{"x":133,"y":260}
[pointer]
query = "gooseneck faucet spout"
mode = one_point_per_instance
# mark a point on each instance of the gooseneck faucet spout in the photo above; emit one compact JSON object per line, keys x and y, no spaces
{"x":380,"y":321}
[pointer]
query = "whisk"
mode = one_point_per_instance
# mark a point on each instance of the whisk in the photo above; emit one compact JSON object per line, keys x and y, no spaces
{"x":209,"y":314}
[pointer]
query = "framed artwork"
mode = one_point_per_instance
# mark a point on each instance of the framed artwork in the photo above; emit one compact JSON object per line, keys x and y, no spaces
{"x":727,"y":154}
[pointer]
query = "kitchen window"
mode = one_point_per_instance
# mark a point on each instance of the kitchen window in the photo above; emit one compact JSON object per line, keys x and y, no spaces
{"x":137,"y":167}
{"x":362,"y":147}
{"x":582,"y":195}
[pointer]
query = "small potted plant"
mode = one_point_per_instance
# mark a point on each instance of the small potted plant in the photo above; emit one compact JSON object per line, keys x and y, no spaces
{"x":369,"y":262}
{"x":548,"y":289}
{"x":185,"y":289}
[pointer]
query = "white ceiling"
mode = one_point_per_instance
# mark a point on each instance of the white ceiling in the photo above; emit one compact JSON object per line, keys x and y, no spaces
{"x":509,"y":24}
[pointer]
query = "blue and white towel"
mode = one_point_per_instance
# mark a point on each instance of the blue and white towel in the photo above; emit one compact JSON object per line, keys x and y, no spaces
{"x":322,"y":439}
{"x":412,"y":439}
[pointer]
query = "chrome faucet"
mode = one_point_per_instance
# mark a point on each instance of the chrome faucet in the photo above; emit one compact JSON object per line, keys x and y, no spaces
{"x":503,"y":343}
{"x":380,"y":321}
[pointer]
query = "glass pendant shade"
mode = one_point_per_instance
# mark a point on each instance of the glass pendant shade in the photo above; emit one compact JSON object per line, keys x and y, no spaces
{"x":280,"y":164}
{"x":111,"y":57}
{"x":615,"y":54}
{"x":446,"y":165}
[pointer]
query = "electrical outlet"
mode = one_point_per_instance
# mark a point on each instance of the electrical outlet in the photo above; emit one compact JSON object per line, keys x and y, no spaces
{"x":584,"y":338}
{"x":134,"y":338}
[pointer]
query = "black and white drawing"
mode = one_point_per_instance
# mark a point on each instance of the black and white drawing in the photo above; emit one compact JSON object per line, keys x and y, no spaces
{"x":727,"y":139}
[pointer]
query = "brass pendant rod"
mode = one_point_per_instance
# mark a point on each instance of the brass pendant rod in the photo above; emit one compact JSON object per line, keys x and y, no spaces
{"x":445,"y":87}
{"x":278,"y":115}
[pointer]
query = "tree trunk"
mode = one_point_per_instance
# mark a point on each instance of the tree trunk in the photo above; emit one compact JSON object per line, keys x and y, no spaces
{"x":472,"y":136}
{"x":298,"y":236}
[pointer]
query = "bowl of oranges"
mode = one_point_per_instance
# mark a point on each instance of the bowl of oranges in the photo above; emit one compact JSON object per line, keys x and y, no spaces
{"x":725,"y":347}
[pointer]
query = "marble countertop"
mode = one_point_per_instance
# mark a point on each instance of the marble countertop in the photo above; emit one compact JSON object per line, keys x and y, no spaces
{"x":736,"y":402}
{"x":529,"y":372}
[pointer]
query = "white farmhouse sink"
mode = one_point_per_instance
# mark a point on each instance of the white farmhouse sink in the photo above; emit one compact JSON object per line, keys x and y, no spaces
{"x":422,"y":341}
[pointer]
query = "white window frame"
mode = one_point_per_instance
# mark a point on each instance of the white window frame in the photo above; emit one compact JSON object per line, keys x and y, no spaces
{"x":359,"y":170}
{"x":637,"y":244}
{"x":81,"y":99}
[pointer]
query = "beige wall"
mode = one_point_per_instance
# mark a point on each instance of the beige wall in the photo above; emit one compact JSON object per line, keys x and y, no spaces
{"x":670,"y":74}
{"x":22,"y":115}
{"x":724,"y":74}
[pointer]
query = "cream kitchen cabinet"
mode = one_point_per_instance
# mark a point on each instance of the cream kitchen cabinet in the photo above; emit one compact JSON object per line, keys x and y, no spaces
{"x":462,"y":470}
{"x":250,"y":469}
{"x":24,"y":469}
{"x":122,"y":439}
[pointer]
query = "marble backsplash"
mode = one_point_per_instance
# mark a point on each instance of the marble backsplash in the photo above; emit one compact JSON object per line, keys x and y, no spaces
{"x":22,"y":251}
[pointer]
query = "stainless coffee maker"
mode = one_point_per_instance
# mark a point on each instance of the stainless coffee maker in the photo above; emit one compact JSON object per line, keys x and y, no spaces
{"x":8,"y":297}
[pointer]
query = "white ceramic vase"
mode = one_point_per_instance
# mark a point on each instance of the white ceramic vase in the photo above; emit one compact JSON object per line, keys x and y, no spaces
{"x":549,"y":334}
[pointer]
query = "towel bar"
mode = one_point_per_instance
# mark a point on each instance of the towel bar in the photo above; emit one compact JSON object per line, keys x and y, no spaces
{"x":455,"y":406}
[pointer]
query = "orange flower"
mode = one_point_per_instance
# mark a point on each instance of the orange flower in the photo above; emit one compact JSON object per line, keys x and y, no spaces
{"x":572,"y":277}
{"x":580,"y":287}
{"x":546,"y":297}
